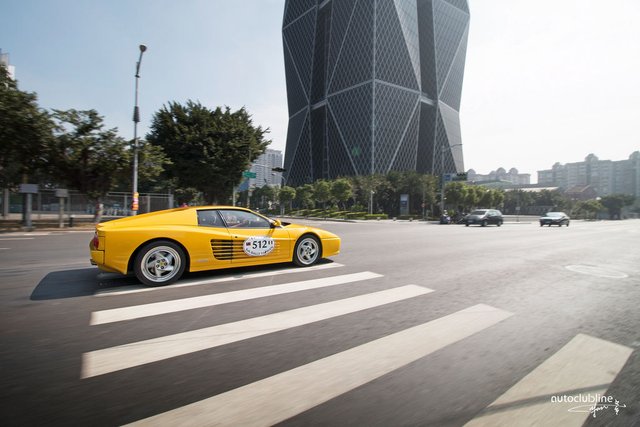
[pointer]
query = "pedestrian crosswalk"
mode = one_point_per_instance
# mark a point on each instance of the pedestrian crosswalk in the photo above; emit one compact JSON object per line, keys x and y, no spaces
{"x":585,"y":364}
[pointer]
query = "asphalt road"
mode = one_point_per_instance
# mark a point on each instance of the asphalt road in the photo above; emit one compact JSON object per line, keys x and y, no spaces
{"x":413,"y":324}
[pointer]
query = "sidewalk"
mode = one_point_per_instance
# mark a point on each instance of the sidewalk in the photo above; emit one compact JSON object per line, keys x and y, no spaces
{"x":47,"y":221}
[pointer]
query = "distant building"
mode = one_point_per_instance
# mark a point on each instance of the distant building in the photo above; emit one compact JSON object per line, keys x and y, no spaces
{"x":263,"y":168}
{"x":513,"y":176}
{"x":605,"y":177}
{"x":4,"y":60}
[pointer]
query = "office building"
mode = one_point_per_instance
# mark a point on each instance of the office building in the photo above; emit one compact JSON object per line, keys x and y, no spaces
{"x":604,"y":176}
{"x":512,"y":176}
{"x":263,"y":168}
{"x":373,"y":86}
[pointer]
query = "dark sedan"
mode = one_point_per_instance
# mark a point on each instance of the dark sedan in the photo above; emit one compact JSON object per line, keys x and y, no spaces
{"x":555,"y":218}
{"x":484,"y":217}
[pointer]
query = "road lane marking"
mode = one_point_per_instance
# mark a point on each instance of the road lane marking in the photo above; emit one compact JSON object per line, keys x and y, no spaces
{"x":146,"y":310}
{"x":596,"y":271}
{"x":282,"y":396}
{"x":229,"y":278}
{"x":16,"y":238}
{"x":584,"y":366}
{"x":113,"y":359}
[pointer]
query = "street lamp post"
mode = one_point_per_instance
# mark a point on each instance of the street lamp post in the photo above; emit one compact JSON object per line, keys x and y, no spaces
{"x":136,"y":120}
{"x":442,"y":174}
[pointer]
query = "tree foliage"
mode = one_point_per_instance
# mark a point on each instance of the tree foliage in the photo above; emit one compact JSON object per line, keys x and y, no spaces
{"x":615,"y":202}
{"x":25,"y":130}
{"x":85,"y":156}
{"x":589,"y":208}
{"x":304,"y":196}
{"x":341,"y":191}
{"x":286,"y":194}
{"x":209,"y":149}
{"x":322,"y":192}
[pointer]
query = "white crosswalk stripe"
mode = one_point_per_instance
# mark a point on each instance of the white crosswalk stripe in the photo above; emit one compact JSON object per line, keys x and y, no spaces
{"x":146,"y":310}
{"x":282,"y":396}
{"x":112,"y":359}
{"x":585,"y":366}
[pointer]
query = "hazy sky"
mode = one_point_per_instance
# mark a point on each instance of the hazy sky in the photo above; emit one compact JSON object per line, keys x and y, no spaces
{"x":545,"y":81}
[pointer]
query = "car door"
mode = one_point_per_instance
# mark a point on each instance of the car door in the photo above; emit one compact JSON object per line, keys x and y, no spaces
{"x":254,"y":239}
{"x":493,"y":217}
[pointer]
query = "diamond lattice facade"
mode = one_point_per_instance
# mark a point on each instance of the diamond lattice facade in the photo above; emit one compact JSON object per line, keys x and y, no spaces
{"x":373,"y":86}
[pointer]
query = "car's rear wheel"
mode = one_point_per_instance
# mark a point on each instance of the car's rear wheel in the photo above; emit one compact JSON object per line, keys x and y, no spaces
{"x":159,"y":263}
{"x":307,"y":251}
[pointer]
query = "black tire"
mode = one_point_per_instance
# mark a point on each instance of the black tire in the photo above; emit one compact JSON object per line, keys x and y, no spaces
{"x":484,"y":223}
{"x":159,"y":263}
{"x":466,"y":225}
{"x":307,"y":251}
{"x":499,"y":223}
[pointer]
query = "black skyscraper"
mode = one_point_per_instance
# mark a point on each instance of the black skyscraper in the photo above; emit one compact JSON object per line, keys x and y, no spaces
{"x":373,"y":86}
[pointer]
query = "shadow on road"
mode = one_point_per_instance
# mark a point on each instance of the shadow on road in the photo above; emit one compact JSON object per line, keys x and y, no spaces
{"x":90,"y":281}
{"x":76,"y":283}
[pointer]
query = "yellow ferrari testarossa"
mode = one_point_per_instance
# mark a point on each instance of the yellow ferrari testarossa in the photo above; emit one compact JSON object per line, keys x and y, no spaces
{"x":159,"y":246}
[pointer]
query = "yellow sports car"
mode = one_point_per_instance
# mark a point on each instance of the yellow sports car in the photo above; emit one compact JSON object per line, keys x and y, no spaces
{"x":159,"y":246}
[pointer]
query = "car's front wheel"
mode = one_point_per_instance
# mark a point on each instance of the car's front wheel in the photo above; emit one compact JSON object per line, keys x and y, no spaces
{"x":159,"y":263}
{"x":307,"y":251}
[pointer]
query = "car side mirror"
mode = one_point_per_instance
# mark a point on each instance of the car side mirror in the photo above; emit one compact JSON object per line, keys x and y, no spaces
{"x":275,"y":223}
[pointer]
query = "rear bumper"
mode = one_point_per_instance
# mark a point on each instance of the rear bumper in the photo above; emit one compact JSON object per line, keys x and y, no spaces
{"x":97,"y":258}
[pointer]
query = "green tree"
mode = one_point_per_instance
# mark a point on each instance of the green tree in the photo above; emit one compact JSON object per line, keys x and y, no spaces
{"x":322,"y":192}
{"x":615,"y":202}
{"x":286,"y":195}
{"x":455,"y":194}
{"x":589,"y":207}
{"x":262,"y":196}
{"x":152,"y":162}
{"x":472,"y":197}
{"x":86,"y":157}
{"x":514,"y":198}
{"x":497,"y":197}
{"x":304,"y":196}
{"x":25,"y":131}
{"x":209,"y":149}
{"x":341,"y":190}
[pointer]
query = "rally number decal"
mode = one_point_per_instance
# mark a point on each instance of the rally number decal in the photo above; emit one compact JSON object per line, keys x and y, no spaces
{"x":258,"y":245}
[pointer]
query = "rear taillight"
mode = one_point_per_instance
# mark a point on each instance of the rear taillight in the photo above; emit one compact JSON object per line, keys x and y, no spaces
{"x":95,"y":242}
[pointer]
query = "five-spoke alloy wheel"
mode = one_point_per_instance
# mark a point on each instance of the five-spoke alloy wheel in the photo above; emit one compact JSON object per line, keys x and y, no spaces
{"x":307,"y":251}
{"x":159,"y":263}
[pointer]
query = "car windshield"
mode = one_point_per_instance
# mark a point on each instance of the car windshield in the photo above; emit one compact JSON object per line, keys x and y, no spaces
{"x":553,"y":214}
{"x":479,"y":212}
